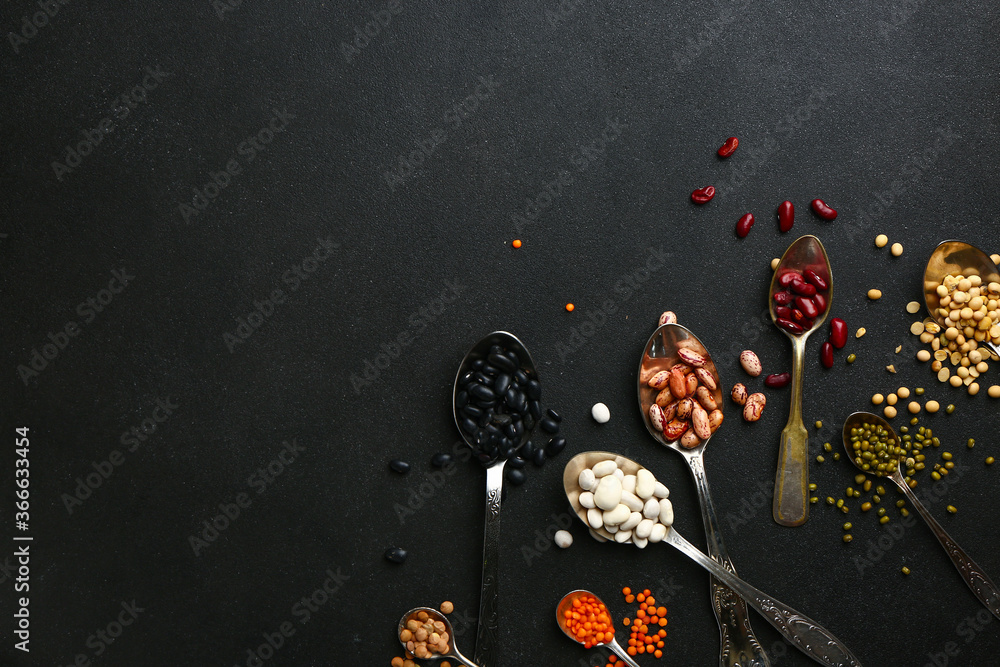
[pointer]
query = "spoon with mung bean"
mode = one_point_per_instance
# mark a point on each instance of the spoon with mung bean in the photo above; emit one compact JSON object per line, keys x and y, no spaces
{"x":739,"y":646}
{"x":504,"y":361}
{"x":413,"y":629}
{"x":564,"y":612}
{"x":791,"y":484}
{"x":874,"y":448}
{"x":959,"y":258}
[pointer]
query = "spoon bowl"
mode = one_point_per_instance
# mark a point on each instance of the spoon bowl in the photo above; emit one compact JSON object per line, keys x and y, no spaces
{"x":567,"y":604}
{"x":956,"y":257}
{"x":791,"y":492}
{"x":739,"y":645}
{"x":972,"y":574}
{"x":451,"y":652}
{"x":503,"y":355}
{"x":801,"y":631}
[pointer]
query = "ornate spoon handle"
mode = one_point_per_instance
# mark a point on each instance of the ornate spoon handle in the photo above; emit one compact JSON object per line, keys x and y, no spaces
{"x":740,"y":647}
{"x":972,"y":574}
{"x":804,"y":633}
{"x":487,"y":653}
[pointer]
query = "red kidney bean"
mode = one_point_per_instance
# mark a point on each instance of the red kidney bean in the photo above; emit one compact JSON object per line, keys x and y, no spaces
{"x":814,"y":278}
{"x":703,"y":195}
{"x":744,"y":224}
{"x":826,"y":355}
{"x":803,"y":288}
{"x":798,"y":315}
{"x":838,"y":332}
{"x":786,"y":215}
{"x":785,"y":279}
{"x":783,"y":298}
{"x":807,"y":306}
{"x":789,"y":326}
{"x":822,"y":210}
{"x":820,"y":302}
{"x":778,"y":380}
{"x":783,"y":312}
{"x":729,"y":147}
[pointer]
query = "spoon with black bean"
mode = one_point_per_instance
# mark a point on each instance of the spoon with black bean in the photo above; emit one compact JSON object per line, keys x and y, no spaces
{"x":496,"y":405}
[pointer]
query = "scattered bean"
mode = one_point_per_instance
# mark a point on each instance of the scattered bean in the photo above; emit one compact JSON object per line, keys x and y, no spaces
{"x":668,"y":317}
{"x":750,"y":363}
{"x":889,"y":412}
{"x":774,"y":263}
{"x":754,"y":407}
{"x":563,"y":540}
{"x":395,"y":555}
{"x":896,"y":249}
{"x":851,"y":358}
{"x":932,"y":406}
{"x":822,"y":210}
{"x":860,"y":332}
{"x":778,"y":380}
{"x":729,"y":147}
{"x":739,"y":394}
{"x":402,"y":467}
{"x":744,"y":224}
{"x":600,"y":413}
{"x":826,"y":355}
{"x":703,"y":195}
{"x":881,"y":240}
{"x":786,"y":216}
{"x":874,"y":294}
{"x":838,"y":332}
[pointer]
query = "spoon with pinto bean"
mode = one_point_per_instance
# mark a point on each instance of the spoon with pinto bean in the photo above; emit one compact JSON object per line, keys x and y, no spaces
{"x":958,"y":258}
{"x":799,"y":300}
{"x":421,"y":625}
{"x":873,"y":446}
{"x":674,"y":349}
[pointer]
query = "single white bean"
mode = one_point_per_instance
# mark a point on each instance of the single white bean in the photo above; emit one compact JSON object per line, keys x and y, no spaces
{"x":633,"y":520}
{"x":604,"y":468}
{"x":617,"y":516}
{"x":611,"y":529}
{"x":619,"y":473}
{"x":644,"y":484}
{"x":644,"y":528}
{"x":600,"y":413}
{"x":632,"y":501}
{"x":666,"y":512}
{"x":563,"y":539}
{"x":628,"y":484}
{"x":639,"y":542}
{"x":659,"y":532}
{"x":587,"y":480}
{"x":595,"y":518}
{"x":587,"y":500}
{"x":608,"y":493}
{"x":660,"y":490}
{"x":651,"y":509}
{"x":623,"y":536}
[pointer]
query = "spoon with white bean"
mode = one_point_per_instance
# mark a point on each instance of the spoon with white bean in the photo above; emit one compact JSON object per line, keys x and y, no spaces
{"x":593,"y":482}
{"x":427,"y":634}
{"x":674,"y":350}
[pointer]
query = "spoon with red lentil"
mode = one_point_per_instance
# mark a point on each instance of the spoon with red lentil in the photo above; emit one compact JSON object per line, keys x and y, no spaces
{"x":586,"y":620}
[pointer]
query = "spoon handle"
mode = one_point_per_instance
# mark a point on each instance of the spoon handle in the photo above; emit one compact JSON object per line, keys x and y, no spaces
{"x":740,"y":647}
{"x":804,"y":633}
{"x":620,"y":652}
{"x":972,"y":574}
{"x":487,"y":653}
{"x":791,"y":506}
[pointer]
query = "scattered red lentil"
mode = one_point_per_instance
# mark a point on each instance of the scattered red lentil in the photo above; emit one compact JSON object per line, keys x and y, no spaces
{"x":516,"y":243}
{"x":647,"y":629}
{"x":570,"y":307}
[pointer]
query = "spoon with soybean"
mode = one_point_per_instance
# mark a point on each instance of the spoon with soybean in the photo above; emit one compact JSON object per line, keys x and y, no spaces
{"x":872,"y":445}
{"x":564,"y":617}
{"x":804,"y":282}
{"x":801,"y":631}
{"x":497,"y":371}
{"x":413,"y":629}
{"x":739,"y":645}
{"x":946,"y":301}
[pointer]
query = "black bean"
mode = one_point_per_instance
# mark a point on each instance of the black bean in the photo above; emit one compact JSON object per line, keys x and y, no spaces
{"x":514,"y":358}
{"x":468,"y":426}
{"x":534,"y":390}
{"x":506,"y":449}
{"x":483,"y":378}
{"x":399,"y":466}
{"x":473,"y":411}
{"x":440,"y":460}
{"x":492,"y":428}
{"x":510,"y":398}
{"x":490,"y":370}
{"x":482,"y":392}
{"x":502,"y":362}
{"x":515,"y":476}
{"x":521,"y":403}
{"x":535,"y":408}
{"x":515,"y":462}
{"x":484,"y":419}
{"x":501,"y":383}
{"x":527,"y":450}
{"x":548,"y":426}
{"x":529,"y":422}
{"x":553,"y":415}
{"x":539,"y":458}
{"x":466,"y":378}
{"x":395,"y":555}
{"x":520,"y":377}
{"x":461,"y":399}
{"x":477,"y":364}
{"x":510,"y":431}
{"x":555,"y":446}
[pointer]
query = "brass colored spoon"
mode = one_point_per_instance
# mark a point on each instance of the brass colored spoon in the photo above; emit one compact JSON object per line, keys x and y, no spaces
{"x":956,"y":257}
{"x":452,"y":652}
{"x":567,"y":603}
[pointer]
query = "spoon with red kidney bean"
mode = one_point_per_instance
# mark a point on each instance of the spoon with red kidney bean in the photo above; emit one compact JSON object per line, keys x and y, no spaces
{"x":799,"y":298}
{"x":666,"y":405}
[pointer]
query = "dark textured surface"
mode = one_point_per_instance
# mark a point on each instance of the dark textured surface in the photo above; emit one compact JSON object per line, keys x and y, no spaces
{"x":890,"y":101}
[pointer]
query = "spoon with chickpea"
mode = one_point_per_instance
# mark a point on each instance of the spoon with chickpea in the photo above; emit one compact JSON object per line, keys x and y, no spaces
{"x":427,"y":634}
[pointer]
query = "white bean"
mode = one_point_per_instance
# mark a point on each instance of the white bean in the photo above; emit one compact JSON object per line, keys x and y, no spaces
{"x":600,"y":413}
{"x":623,"y":536}
{"x":644,"y":484}
{"x":651,"y":509}
{"x":633,"y":520}
{"x":563,"y":539}
{"x":619,"y":473}
{"x":628,"y":484}
{"x":666,"y":512}
{"x":587,"y":481}
{"x":639,"y":542}
{"x":587,"y":500}
{"x":659,"y":532}
{"x":617,"y":516}
{"x":608,"y":493}
{"x":595,"y":518}
{"x":644,"y":528}
{"x":605,"y":468}
{"x":660,"y":490}
{"x":611,"y":529}
{"x":632,"y":501}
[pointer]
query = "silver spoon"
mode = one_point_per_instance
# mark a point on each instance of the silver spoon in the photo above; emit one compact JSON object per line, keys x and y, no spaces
{"x":451,"y":652}
{"x":972,"y":574}
{"x":567,"y":602}
{"x":739,"y":645}
{"x":487,"y":650}
{"x":801,"y":631}
{"x":791,"y":492}
{"x":956,"y":257}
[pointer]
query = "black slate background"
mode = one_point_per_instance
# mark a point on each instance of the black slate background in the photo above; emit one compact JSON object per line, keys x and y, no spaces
{"x":888,"y":110}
